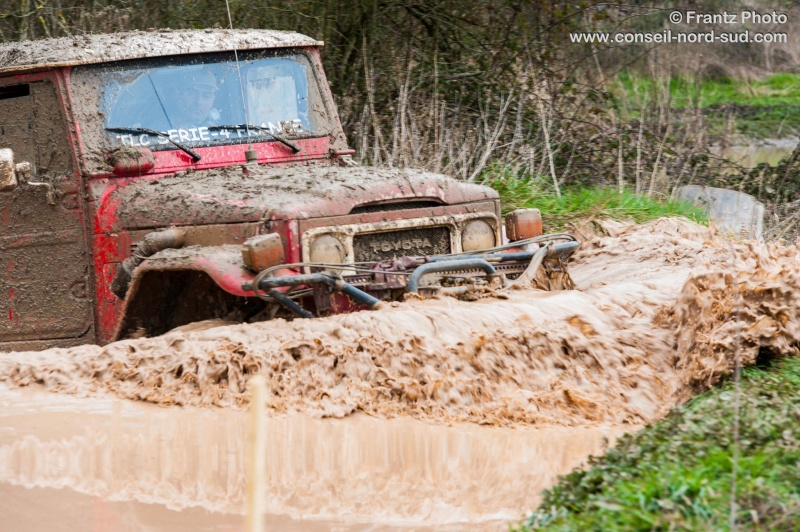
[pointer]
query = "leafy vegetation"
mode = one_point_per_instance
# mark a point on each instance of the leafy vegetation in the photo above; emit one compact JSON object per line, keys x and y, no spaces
{"x":441,"y":84}
{"x":677,"y":474}
{"x":447,"y":85}
{"x":581,"y":203}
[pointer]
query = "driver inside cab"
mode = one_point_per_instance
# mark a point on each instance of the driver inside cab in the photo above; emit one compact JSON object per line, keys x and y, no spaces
{"x":197,"y":96}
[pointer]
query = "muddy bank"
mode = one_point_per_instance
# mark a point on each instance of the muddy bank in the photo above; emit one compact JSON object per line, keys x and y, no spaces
{"x":650,"y":323}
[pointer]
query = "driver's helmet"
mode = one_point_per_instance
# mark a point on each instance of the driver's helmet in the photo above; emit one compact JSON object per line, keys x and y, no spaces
{"x":197,"y":94}
{"x":203,"y":79}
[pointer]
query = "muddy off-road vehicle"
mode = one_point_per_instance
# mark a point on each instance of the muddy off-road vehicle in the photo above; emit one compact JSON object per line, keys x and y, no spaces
{"x":153,"y":179}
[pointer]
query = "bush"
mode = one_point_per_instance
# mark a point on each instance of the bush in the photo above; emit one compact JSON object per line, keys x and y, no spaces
{"x":677,"y":474}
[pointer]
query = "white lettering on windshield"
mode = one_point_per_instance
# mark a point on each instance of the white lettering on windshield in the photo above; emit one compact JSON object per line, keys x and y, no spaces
{"x":204,"y":134}
{"x":290,"y":127}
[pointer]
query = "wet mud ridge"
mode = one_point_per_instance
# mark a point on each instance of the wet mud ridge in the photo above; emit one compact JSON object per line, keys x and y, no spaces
{"x":652,"y":322}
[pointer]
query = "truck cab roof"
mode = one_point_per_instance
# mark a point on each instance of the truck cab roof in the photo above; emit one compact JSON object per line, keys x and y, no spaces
{"x":45,"y":54}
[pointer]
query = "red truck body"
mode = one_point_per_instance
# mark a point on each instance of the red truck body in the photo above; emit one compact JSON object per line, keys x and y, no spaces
{"x":91,"y":197}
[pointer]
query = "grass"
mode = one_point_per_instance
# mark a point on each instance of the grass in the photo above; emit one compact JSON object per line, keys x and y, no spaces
{"x":775,"y":121}
{"x":765,"y":108}
{"x":676,"y":474}
{"x":686,"y":91}
{"x":577,"y":204}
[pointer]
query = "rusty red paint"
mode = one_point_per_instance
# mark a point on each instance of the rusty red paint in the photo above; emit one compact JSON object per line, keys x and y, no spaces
{"x":523,"y":223}
{"x":108,"y":252}
{"x":284,"y":193}
{"x":216,"y":156}
{"x":263,"y":251}
{"x":228,"y":275}
{"x":374,"y":217}
{"x":132,"y":161}
{"x":21,"y":241}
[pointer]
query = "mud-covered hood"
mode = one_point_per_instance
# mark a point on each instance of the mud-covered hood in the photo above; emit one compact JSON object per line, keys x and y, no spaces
{"x":235,"y":195}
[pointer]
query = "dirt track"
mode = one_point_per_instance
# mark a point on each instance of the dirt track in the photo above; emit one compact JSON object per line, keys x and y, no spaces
{"x":652,"y":322}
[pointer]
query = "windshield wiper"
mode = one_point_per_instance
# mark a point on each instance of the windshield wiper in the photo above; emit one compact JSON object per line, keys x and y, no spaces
{"x":291,"y":145}
{"x":194,"y":155}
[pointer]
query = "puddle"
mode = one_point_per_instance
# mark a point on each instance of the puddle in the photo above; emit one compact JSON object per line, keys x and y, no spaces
{"x":98,"y":464}
{"x":769,"y":151}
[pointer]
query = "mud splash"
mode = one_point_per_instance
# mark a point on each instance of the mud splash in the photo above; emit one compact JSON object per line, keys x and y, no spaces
{"x":649,"y":325}
{"x":134,"y":466}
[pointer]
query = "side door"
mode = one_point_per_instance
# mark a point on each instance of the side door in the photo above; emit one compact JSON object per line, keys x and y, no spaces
{"x":44,"y":262}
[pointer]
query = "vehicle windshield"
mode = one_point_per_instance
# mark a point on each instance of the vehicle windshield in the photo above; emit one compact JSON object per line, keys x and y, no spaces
{"x":205,"y":100}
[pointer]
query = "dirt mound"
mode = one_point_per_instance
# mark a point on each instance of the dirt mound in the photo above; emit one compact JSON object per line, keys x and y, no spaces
{"x":653,"y":320}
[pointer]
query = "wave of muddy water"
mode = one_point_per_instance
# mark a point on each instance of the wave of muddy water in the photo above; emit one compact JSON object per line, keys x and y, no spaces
{"x":654,"y":321}
{"x":645,"y":329}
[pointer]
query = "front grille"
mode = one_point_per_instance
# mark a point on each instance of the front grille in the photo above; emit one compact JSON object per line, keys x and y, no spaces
{"x":374,"y":247}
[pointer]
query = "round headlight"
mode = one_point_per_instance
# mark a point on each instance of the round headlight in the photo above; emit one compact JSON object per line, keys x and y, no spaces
{"x":477,"y":235}
{"x":327,"y":249}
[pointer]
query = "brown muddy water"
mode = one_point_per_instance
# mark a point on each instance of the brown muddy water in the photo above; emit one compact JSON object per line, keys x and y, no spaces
{"x":603,"y":354}
{"x":100,"y":464}
{"x":436,"y":414}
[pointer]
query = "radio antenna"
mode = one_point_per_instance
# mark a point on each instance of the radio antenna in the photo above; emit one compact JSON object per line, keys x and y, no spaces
{"x":250,"y":154}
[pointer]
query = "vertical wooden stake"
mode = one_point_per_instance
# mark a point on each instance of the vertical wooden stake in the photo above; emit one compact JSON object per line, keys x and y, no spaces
{"x":549,"y":149}
{"x":256,"y":459}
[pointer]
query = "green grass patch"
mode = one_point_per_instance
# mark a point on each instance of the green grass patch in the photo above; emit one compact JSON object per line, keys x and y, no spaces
{"x":764,"y":108}
{"x":577,"y":204}
{"x":690,"y":91}
{"x":775,"y":121}
{"x":676,"y":474}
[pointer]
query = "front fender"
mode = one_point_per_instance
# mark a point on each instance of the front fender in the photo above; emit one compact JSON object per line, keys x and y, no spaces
{"x":222,"y":263}
{"x":177,"y":286}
